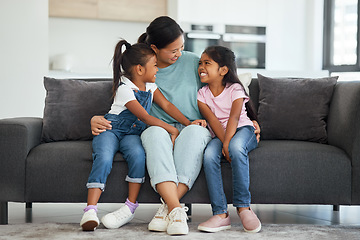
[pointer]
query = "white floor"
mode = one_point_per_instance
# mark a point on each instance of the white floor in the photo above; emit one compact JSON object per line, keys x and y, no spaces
{"x":268,"y":214}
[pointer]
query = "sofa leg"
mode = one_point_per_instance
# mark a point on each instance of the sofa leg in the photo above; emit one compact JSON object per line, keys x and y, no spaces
{"x":28,"y":204}
{"x":189,"y":212}
{"x":336,"y":208}
{"x":4,"y":213}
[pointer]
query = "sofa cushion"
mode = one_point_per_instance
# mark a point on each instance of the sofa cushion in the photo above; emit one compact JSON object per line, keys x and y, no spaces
{"x":294,"y":108}
{"x":69,"y":106}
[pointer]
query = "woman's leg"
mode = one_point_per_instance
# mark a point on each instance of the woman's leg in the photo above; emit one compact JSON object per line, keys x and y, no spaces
{"x":188,"y":155}
{"x":159,"y":155}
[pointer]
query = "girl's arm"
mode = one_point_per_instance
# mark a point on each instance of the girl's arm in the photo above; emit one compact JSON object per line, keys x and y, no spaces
{"x":135,"y":107}
{"x":212,"y":120}
{"x":99,"y":124}
{"x":232,"y":125}
{"x":170,"y":108}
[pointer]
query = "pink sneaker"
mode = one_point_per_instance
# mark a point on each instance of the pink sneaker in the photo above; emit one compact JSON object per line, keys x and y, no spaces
{"x":250,"y":221}
{"x":215,"y":224}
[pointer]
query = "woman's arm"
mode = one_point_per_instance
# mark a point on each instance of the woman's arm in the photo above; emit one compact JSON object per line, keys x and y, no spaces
{"x":232,"y":125}
{"x":170,"y":108}
{"x":99,"y":124}
{"x":135,"y":107}
{"x":212,"y":120}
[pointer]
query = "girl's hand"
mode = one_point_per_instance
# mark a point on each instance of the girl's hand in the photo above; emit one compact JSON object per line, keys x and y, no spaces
{"x":173,"y":134}
{"x":225,"y":152}
{"x":200,"y":122}
{"x":99,"y":124}
{"x":257,"y":130}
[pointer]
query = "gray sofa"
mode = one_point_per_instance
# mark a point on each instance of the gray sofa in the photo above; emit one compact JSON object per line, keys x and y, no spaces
{"x":38,"y":166}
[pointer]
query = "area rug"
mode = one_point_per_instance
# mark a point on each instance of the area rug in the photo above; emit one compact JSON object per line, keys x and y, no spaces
{"x":138,"y":231}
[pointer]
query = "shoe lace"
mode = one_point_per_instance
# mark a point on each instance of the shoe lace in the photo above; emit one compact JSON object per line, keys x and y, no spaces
{"x":119,"y":214}
{"x":179,"y":215}
{"x":162,"y":211}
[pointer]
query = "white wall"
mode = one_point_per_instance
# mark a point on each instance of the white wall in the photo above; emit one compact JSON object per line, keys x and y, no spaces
{"x":293,"y":27}
{"x":89,"y":44}
{"x":23,"y":57}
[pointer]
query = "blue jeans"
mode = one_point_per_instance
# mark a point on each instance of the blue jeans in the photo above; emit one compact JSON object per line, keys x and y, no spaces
{"x":179,"y":163}
{"x":124,"y":137}
{"x":240,"y":145}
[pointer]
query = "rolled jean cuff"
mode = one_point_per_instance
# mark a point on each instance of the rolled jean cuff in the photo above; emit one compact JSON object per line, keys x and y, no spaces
{"x":159,"y":179}
{"x":135,"y":180}
{"x":240,"y":205}
{"x":220,"y":212}
{"x":185,"y":180}
{"x":96,"y":185}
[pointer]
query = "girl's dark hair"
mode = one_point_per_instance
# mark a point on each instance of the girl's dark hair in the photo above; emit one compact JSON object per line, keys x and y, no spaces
{"x":225,"y":57}
{"x":161,"y":32}
{"x":123,"y":62}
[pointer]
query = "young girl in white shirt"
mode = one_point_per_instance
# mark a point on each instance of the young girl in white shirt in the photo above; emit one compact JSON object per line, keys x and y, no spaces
{"x":134,"y":89}
{"x":222,"y":102}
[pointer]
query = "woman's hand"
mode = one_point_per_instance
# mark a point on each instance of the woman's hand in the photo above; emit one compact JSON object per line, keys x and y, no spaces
{"x":174,"y":132}
{"x":257,"y":130}
{"x":200,"y":122}
{"x":99,"y":124}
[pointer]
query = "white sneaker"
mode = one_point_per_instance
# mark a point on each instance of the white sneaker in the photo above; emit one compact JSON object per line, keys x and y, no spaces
{"x":89,"y":221}
{"x":160,"y":221}
{"x":178,"y":221}
{"x":118,"y":218}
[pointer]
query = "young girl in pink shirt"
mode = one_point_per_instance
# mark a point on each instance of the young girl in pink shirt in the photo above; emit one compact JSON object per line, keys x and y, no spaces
{"x":222,"y":102}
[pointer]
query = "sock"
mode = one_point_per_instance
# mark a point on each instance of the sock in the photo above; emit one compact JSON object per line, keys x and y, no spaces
{"x":88,"y":207}
{"x":131,"y":205}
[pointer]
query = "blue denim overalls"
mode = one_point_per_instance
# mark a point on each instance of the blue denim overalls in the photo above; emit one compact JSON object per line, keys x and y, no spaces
{"x":124,"y":137}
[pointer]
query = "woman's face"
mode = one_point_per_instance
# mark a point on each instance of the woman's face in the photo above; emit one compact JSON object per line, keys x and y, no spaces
{"x":169,"y":54}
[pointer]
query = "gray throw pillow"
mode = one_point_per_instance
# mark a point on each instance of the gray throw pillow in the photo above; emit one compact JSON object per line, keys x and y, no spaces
{"x":294,"y":108}
{"x":69,"y":106}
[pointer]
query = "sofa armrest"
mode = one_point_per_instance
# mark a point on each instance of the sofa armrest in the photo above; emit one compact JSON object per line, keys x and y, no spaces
{"x":343,"y":127}
{"x":17,"y":137}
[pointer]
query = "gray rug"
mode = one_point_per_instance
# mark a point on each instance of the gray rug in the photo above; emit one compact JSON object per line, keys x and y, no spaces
{"x":138,"y":231}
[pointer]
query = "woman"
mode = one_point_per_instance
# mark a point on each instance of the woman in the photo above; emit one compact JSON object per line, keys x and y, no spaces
{"x":173,"y":169}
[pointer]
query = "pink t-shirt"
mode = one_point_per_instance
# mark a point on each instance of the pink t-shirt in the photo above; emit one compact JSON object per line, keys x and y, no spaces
{"x":221,"y":104}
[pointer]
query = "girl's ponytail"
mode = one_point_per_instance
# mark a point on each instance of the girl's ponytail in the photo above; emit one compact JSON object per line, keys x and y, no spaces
{"x":117,"y":63}
{"x":124,"y":61}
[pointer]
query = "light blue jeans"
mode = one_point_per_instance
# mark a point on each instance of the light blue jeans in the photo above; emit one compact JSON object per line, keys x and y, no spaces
{"x":240,"y":145}
{"x":180,"y":163}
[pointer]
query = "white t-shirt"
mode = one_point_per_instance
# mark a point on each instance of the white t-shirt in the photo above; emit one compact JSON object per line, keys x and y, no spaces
{"x":125,"y":94}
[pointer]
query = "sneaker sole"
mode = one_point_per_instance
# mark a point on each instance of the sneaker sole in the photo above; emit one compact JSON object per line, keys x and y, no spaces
{"x":177,"y":231}
{"x":253,"y":231}
{"x":89,"y":226}
{"x":212,"y":230}
{"x":157,"y":229}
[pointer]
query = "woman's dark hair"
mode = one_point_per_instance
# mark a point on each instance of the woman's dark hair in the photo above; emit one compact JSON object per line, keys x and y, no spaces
{"x":123,"y":62}
{"x":161,"y":32}
{"x":225,"y":57}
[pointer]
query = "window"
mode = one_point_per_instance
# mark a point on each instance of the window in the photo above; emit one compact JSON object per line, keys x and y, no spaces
{"x":341,"y":36}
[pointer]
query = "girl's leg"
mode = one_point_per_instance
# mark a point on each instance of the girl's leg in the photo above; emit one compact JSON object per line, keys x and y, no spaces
{"x":212,"y":168}
{"x":133,"y":152}
{"x":105,"y":146}
{"x":168,"y":191}
{"x":240,"y":145}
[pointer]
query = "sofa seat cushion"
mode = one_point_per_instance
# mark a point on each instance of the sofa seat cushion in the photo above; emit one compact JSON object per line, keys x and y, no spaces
{"x":301,"y":172}
{"x":58,"y":167}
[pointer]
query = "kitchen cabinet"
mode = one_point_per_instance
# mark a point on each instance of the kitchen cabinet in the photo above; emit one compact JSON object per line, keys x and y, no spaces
{"x":118,"y":10}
